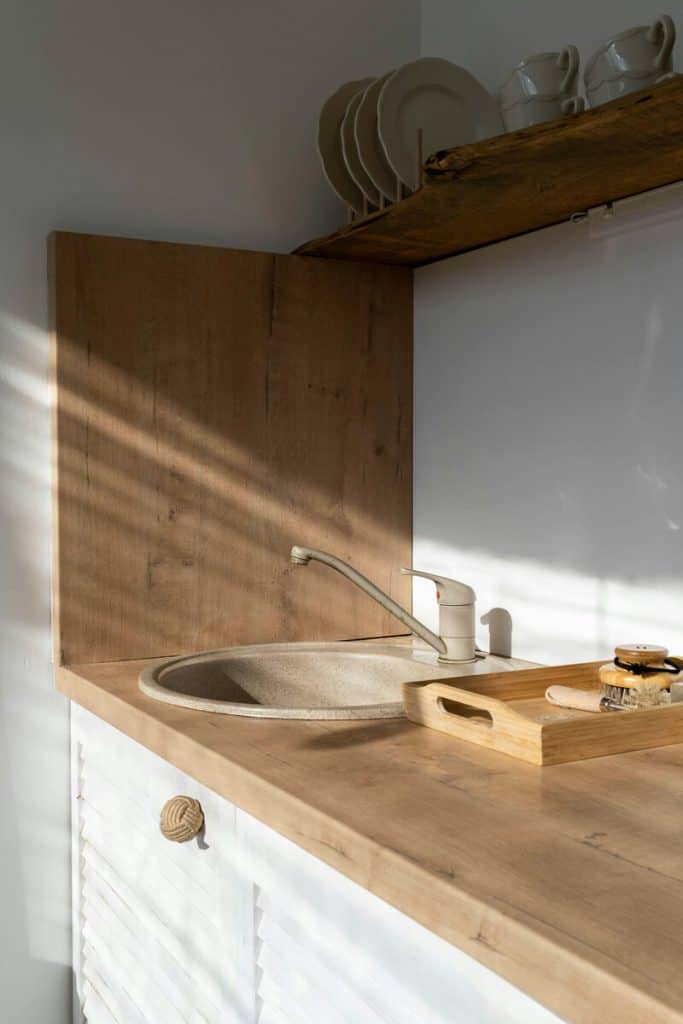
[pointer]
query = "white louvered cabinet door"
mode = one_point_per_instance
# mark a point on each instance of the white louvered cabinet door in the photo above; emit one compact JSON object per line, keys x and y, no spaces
{"x":164,"y":931}
{"x":242,"y":927}
{"x":330,"y":952}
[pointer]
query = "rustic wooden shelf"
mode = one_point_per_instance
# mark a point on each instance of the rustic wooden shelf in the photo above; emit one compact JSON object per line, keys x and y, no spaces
{"x":488,"y":191}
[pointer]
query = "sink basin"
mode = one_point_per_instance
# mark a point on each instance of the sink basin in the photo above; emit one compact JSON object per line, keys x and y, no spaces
{"x":301,"y":680}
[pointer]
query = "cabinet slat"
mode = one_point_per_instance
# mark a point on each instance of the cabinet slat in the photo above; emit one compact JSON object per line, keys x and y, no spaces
{"x":96,"y":1012}
{"x":145,"y":953}
{"x":287,"y":971}
{"x":281,"y":1004}
{"x":95,"y":970}
{"x":202,"y":954}
{"x":298,"y":968}
{"x":134,"y":976}
{"x":272,"y":1014}
{"x":176,"y":973}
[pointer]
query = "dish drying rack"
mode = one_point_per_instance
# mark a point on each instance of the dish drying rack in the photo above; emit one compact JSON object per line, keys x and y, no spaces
{"x":402,"y":191}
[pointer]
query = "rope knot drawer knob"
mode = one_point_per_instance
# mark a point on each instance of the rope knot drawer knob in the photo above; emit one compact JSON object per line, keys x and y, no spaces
{"x":182,"y":818}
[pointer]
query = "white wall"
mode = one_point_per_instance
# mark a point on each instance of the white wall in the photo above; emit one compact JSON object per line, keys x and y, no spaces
{"x":170,"y":120}
{"x":549,"y":409}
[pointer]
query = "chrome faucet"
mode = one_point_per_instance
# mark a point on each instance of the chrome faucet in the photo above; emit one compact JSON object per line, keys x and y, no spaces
{"x":456,"y":605}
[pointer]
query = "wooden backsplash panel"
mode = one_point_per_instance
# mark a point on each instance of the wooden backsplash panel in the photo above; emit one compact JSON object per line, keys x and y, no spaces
{"x":212,"y":408}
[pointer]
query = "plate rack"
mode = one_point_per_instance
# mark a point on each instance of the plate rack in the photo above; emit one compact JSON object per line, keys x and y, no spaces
{"x":369,"y":210}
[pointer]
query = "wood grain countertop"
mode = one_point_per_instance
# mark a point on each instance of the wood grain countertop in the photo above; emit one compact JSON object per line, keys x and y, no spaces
{"x":567,"y":881}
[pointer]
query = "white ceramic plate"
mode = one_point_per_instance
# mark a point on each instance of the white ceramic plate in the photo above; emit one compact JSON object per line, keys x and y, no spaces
{"x":329,"y":143}
{"x":350,"y":151}
{"x":445,"y":101}
{"x":370,"y":149}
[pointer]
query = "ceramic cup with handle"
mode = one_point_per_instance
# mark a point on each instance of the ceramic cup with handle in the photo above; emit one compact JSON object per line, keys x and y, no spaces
{"x":631,"y":60}
{"x":543,"y":75}
{"x":536,"y":111}
{"x":540,"y":88}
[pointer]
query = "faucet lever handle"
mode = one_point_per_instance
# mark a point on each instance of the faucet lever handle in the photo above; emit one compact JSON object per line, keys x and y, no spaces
{"x":448,"y":591}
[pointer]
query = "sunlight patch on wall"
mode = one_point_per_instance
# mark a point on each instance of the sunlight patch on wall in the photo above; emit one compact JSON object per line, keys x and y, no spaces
{"x":558,"y":615}
{"x":32,"y":715}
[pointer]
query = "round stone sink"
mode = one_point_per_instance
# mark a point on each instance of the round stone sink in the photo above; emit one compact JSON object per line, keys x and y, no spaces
{"x":298,"y":680}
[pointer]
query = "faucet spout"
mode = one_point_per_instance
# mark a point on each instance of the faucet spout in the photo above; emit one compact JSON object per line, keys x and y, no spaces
{"x":302,"y":556}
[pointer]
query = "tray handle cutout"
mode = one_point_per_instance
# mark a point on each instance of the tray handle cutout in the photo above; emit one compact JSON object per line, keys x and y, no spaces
{"x":473,"y":715}
{"x":465,"y":711}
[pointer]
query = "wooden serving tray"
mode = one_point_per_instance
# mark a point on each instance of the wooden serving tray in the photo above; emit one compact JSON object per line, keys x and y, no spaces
{"x":508,"y":712}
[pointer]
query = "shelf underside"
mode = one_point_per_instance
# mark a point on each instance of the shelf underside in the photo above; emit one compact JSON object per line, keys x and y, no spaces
{"x":492,"y":190}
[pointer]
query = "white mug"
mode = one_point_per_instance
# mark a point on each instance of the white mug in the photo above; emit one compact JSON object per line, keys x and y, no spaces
{"x":536,"y":111}
{"x":543,"y":76}
{"x":630,"y":61}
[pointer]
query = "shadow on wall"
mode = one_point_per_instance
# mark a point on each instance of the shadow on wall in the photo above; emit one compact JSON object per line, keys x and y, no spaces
{"x":499,"y":622}
{"x":548,"y":463}
{"x":35,"y":973}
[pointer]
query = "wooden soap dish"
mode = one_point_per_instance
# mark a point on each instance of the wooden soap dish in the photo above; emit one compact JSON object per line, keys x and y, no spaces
{"x":508,"y":712}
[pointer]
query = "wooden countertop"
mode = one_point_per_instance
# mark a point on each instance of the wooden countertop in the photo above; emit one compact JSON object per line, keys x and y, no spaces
{"x":567,"y":881}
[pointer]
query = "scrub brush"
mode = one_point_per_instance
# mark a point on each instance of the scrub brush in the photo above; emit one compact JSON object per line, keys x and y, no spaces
{"x":639,"y":677}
